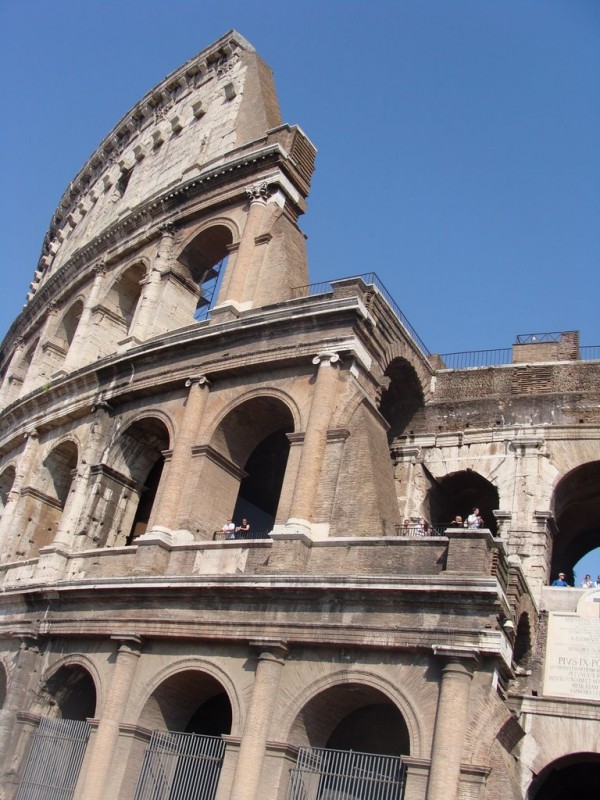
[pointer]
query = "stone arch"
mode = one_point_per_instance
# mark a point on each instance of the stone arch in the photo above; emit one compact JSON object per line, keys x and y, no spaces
{"x":126,"y":485}
{"x":559,"y":778}
{"x":189,"y":698}
{"x":203,"y":260}
{"x":67,"y":327}
{"x":121,"y":301}
{"x":457,"y":494}
{"x":401,"y":351}
{"x":369,"y":689}
{"x":523,"y":646}
{"x":251,"y":440}
{"x":46,"y":498}
{"x":402,"y":398}
{"x":70,"y":691}
{"x":576,"y":508}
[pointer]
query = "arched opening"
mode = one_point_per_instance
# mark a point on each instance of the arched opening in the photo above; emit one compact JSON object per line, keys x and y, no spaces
{"x":522,"y":646}
{"x":580,"y":771}
{"x":402,"y":399}
{"x":46,"y":499}
{"x":190,"y":701}
{"x":352,"y":717}
{"x":72,"y":693}
{"x":260,"y":490}
{"x":205,"y":259}
{"x":351,"y":739}
{"x":68,"y":326}
{"x":125,"y":294}
{"x":189,"y":713}
{"x":460,"y":492}
{"x":253,"y":438}
{"x":125,"y":488}
{"x":7,"y":478}
{"x":576,"y":507}
{"x":58,"y":469}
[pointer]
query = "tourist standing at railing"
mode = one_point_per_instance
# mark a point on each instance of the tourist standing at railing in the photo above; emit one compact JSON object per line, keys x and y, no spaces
{"x":598,"y":582}
{"x":560,"y":581}
{"x":587,"y":582}
{"x":244,"y":528}
{"x":474,"y":520}
{"x":229,"y":529}
{"x":457,"y":522}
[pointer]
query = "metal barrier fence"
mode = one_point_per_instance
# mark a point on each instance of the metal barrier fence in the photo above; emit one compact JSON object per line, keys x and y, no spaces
{"x":219,"y":536}
{"x":323,"y":774}
{"x":590,"y":352}
{"x":54,"y":760}
{"x":180,"y":766}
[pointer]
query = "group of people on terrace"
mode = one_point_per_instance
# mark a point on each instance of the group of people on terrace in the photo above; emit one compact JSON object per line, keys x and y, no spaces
{"x":586,"y":583}
{"x":424,"y":528}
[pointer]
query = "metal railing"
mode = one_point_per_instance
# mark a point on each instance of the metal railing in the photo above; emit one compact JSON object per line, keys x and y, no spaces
{"x":537,"y":338}
{"x":419,"y":531}
{"x":371,"y":279}
{"x":179,"y":766}
{"x":230,"y":536}
{"x":590,"y":352}
{"x":477,"y":358}
{"x":54,"y":761}
{"x":323,"y":774}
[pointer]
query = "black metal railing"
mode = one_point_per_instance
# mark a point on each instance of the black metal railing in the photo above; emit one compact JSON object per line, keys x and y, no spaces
{"x":477,"y":358}
{"x":539,"y":338}
{"x":230,"y":536}
{"x":370,"y":279}
{"x":418,"y":531}
{"x":590,"y":352}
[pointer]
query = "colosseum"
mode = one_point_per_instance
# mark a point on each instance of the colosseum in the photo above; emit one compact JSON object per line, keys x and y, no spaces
{"x":236,"y":562}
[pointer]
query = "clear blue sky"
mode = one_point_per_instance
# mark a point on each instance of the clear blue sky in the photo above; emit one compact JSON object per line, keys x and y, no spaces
{"x":458,"y":141}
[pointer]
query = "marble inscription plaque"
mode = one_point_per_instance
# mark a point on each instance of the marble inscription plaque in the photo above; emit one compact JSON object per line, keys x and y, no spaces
{"x":572,"y":666}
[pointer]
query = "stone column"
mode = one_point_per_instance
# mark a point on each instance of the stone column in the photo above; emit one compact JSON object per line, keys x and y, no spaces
{"x":9,"y":528}
{"x":315,"y":440}
{"x":450,"y":722}
{"x":248,"y":771}
{"x":142,"y":325}
{"x":233,"y":289}
{"x":181,"y":459}
{"x":107,"y":735}
{"x":83,"y":350}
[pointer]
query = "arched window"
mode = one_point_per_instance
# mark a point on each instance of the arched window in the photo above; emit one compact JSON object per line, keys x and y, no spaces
{"x":460,"y":492}
{"x":125,"y":486}
{"x":47,"y":495}
{"x":252,"y":438}
{"x":204,"y":260}
{"x":576,"y":505}
{"x":402,"y":399}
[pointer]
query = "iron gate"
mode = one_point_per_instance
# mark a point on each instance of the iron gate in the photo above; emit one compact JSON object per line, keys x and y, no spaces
{"x":180,"y":766}
{"x":323,"y":774}
{"x":54,"y":760}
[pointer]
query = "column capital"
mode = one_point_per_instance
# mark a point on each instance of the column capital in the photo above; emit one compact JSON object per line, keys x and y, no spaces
{"x":198,"y":380}
{"x":31,"y":433}
{"x":461,"y":659}
{"x":128,"y":643}
{"x":326,"y":357}
{"x":270,"y":650}
{"x":168,"y":228}
{"x":258,"y":193}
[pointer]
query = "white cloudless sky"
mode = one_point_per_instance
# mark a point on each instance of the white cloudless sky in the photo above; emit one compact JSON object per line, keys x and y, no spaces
{"x":458,"y":141}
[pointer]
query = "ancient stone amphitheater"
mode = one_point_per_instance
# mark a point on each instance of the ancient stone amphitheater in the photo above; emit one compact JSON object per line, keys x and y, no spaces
{"x":173,"y":370}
